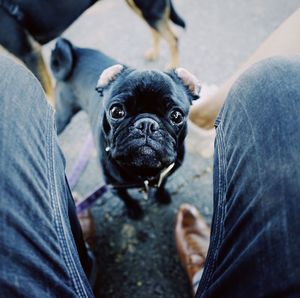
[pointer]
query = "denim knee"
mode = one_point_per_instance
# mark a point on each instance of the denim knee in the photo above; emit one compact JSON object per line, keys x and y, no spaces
{"x":270,"y":87}
{"x":254,"y":247}
{"x":16,"y":78}
{"x":261,"y":113}
{"x":34,"y":195}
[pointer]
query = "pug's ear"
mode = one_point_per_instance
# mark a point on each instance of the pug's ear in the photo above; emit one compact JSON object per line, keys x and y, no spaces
{"x":108,"y":76}
{"x":62,"y":60}
{"x":189,"y":81}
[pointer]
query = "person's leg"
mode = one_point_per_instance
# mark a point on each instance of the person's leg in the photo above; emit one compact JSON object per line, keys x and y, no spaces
{"x":254,"y":249}
{"x":39,"y":253}
{"x":283,"y":41}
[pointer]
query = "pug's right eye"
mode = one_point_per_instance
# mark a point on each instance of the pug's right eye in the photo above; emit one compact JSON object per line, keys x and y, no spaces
{"x":117,"y":111}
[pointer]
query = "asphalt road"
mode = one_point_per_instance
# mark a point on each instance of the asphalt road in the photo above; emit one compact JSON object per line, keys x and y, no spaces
{"x":138,"y":258}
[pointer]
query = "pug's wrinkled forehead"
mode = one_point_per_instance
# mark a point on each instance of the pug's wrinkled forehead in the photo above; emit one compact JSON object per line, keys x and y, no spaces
{"x":149,"y":91}
{"x":148,"y":87}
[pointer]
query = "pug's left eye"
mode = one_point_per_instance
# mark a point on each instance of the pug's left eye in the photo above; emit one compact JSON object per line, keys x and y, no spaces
{"x":176,"y":117}
{"x":117,"y":111}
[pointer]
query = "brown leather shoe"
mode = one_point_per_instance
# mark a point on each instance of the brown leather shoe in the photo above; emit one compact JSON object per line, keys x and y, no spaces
{"x":192,"y":240}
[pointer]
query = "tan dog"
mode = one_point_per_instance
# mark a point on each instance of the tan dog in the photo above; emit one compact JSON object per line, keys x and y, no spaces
{"x":158,"y":14}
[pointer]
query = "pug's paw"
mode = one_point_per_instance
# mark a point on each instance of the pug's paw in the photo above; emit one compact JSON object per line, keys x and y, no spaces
{"x":163,"y":196}
{"x":134,"y":210}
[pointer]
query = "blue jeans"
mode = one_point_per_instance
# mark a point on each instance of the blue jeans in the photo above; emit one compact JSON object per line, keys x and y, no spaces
{"x":254,"y":249}
{"x":42,"y":252}
{"x":255,"y":239}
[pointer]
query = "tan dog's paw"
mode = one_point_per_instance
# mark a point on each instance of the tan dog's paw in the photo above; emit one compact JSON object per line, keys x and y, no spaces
{"x":151,"y":55}
{"x":172,"y":64}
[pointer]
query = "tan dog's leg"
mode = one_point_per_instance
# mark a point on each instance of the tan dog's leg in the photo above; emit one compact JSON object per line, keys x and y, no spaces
{"x":44,"y":77}
{"x":163,"y":30}
{"x":153,"y":53}
{"x":166,"y":32}
{"x":16,"y":40}
{"x":35,"y":62}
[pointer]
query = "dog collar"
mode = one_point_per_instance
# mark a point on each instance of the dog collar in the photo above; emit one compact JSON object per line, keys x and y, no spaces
{"x":161,"y":178}
{"x":145,"y":187}
{"x":147,"y":183}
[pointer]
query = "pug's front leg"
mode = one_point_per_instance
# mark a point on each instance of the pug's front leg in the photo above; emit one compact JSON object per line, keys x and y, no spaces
{"x":134,"y":209}
{"x":162,"y":195}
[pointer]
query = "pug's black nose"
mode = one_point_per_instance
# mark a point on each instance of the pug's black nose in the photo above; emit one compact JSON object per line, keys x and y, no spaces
{"x":146,"y":125}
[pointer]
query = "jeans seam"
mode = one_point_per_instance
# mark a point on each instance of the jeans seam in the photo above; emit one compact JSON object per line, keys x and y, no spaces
{"x":219,"y":233}
{"x":59,"y":226}
{"x":53,"y":192}
{"x":244,"y":109}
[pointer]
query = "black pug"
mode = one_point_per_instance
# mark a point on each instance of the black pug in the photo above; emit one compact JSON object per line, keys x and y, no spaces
{"x":139,"y":120}
{"x":25,"y":25}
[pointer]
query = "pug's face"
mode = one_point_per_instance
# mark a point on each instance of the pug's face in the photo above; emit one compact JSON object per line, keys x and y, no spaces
{"x":145,"y":120}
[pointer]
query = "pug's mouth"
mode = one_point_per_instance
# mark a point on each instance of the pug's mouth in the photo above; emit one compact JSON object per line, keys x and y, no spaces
{"x":143,"y":161}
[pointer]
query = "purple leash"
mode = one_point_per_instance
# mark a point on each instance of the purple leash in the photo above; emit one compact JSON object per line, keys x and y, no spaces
{"x":81,"y":162}
{"x":79,"y":166}
{"x":91,"y":199}
{"x":88,"y":201}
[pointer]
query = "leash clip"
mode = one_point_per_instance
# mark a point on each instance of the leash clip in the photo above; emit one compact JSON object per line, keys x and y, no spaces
{"x":146,"y":190}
